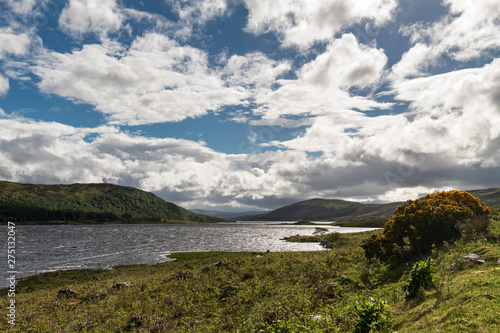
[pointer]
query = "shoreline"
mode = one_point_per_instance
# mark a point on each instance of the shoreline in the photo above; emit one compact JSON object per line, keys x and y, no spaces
{"x":111,"y":222}
{"x":219,"y":291}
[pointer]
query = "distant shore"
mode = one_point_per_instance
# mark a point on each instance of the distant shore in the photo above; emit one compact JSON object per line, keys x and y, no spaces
{"x":110,"y":222}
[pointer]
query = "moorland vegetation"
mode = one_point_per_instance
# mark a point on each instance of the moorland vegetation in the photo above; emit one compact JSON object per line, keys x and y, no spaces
{"x":437,"y":288}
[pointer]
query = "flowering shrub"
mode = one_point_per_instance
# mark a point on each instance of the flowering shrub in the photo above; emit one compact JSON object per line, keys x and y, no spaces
{"x":417,"y":224}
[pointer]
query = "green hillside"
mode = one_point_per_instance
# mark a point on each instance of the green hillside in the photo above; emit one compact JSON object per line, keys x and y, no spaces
{"x":491,"y":196}
{"x":341,"y":210}
{"x":327,"y":210}
{"x":314,"y":209}
{"x":88,"y":203}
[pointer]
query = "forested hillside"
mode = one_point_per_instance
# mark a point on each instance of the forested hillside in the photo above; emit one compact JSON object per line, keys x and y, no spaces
{"x":88,"y":202}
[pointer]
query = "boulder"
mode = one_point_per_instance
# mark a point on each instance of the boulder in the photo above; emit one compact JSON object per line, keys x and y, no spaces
{"x":474,"y":258}
{"x":120,"y":285}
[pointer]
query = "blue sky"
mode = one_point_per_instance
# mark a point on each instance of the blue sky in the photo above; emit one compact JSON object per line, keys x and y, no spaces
{"x":245,"y":104}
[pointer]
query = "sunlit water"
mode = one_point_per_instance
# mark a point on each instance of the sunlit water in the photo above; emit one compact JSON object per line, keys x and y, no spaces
{"x":47,"y":248}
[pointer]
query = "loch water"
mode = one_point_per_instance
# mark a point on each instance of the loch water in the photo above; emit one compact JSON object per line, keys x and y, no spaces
{"x":45,"y":248}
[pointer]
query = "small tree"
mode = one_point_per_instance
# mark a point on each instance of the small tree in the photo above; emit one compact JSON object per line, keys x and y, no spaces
{"x":418,"y":224}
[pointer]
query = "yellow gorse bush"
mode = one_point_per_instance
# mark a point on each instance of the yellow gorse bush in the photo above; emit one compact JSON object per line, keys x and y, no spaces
{"x":418,"y":224}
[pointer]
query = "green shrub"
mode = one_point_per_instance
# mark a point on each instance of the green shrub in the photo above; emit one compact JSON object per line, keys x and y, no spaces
{"x":372,"y":317}
{"x":279,"y":326}
{"x":418,"y":224}
{"x":421,"y":276}
{"x":320,"y":231}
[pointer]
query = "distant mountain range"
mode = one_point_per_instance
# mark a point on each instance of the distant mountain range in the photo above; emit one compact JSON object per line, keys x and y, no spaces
{"x":114,"y":203}
{"x":88,"y":203}
{"x":229,"y":215}
{"x":341,"y":210}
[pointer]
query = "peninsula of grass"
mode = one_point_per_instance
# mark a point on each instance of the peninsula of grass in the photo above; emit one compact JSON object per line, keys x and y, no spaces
{"x":318,"y":291}
{"x":300,"y":222}
{"x":366,"y":223}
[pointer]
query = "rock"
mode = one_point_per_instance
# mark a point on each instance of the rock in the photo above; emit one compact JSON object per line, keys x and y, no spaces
{"x":227,"y":292}
{"x":120,"y":285}
{"x":67,"y":293}
{"x":316,"y":317}
{"x":472,"y":257}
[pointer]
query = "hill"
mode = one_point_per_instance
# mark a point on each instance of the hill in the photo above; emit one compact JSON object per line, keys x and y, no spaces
{"x":227,"y":215}
{"x":491,"y":196}
{"x":327,"y":210}
{"x":88,"y":203}
{"x":341,"y":210}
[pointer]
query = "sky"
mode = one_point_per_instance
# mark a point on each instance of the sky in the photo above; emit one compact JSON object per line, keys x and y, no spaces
{"x":252,"y":104}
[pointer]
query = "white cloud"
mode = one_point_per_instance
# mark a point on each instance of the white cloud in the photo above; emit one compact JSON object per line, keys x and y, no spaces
{"x":449,"y":139}
{"x":12,"y":43}
{"x":22,"y":7}
{"x":189,"y":173}
{"x":253,"y":71}
{"x":412,"y":193}
{"x":455,"y":115}
{"x":304,"y":22}
{"x":345,"y":64}
{"x":183,"y":170}
{"x":469,"y":31}
{"x":322,"y":85}
{"x":462,"y":107}
{"x":4,"y":85}
{"x":80,"y":17}
{"x":154,"y":80}
{"x":196,"y":13}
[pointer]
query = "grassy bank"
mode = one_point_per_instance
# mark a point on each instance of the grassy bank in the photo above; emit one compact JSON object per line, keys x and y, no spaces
{"x":272,"y":292}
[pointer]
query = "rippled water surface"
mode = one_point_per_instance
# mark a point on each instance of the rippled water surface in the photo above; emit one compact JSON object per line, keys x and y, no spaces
{"x":48,"y":248}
